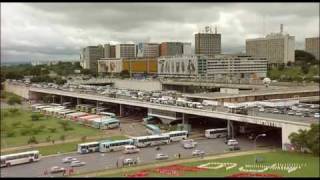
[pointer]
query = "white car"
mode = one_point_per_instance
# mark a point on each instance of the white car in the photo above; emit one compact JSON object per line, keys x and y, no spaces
{"x":68,"y":159}
{"x":197,"y":152}
{"x":57,"y":169}
{"x":232,"y":142}
{"x":291,"y":113}
{"x":129,"y":161}
{"x":77,"y":163}
{"x":261,"y":110}
{"x":298,"y":114}
{"x":161,"y":156}
{"x":317,"y":115}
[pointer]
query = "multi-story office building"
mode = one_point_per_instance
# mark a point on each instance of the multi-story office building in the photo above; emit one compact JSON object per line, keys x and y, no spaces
{"x":109,"y":51}
{"x":171,"y":48}
{"x":232,"y":67}
{"x":221,"y":67}
{"x":208,"y":43}
{"x":312,"y":46}
{"x":148,"y":50}
{"x":278,"y":48}
{"x":125,"y":51}
{"x":90,"y":55}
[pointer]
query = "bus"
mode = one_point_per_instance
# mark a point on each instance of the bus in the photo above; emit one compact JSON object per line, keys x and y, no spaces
{"x":152,"y":129}
{"x":216,"y":133}
{"x":144,"y":141}
{"x":110,"y":123}
{"x":88,"y":147}
{"x":117,"y":145}
{"x":19,"y":158}
{"x":108,"y":114}
{"x":177,"y":135}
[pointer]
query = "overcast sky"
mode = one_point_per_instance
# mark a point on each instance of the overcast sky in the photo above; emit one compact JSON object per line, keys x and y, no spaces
{"x":43,"y":31}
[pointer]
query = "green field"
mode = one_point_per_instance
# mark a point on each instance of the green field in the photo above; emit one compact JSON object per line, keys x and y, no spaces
{"x":61,"y":148}
{"x":20,"y":121}
{"x":310,"y":170}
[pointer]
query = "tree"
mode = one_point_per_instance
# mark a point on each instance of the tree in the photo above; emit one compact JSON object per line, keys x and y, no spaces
{"x":52,"y":130}
{"x":32,"y":139}
{"x":125,"y":73}
{"x":307,"y":139}
{"x":48,"y":139}
{"x":303,"y":57}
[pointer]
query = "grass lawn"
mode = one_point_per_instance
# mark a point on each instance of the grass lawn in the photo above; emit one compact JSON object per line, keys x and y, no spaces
{"x":9,"y":122}
{"x":62,"y":148}
{"x":310,"y":170}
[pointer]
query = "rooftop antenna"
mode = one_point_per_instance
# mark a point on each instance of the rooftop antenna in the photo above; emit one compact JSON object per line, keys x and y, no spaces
{"x":215,"y":29}
{"x":281,"y":28}
{"x":264,"y":25}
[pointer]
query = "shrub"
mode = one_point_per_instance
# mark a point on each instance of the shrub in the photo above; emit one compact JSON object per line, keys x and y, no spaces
{"x":14,"y":111}
{"x":5,"y":114}
{"x":16,"y":124}
{"x":52,"y":130}
{"x":11,"y":134}
{"x":48,"y":139}
{"x":24,"y":132}
{"x":83,"y":138}
{"x":14,"y":100}
{"x":35,"y":117}
{"x":62,"y":137}
{"x":32,"y":139}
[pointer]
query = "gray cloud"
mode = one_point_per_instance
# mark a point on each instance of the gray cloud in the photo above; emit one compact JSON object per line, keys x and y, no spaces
{"x":59,"y":30}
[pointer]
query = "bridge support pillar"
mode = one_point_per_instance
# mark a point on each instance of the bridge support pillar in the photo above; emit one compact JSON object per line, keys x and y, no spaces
{"x":78,"y":101}
{"x":61,"y":99}
{"x":184,"y":119}
{"x":230,"y":129}
{"x":120,"y":113}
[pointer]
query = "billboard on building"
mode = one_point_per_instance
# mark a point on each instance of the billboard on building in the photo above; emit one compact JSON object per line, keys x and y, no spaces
{"x":110,"y":66}
{"x":178,"y":65}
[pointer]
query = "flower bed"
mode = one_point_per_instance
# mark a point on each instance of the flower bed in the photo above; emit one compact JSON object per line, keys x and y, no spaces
{"x":247,"y":174}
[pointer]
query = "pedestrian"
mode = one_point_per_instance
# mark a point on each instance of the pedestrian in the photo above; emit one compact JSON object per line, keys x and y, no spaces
{"x":117,"y":164}
{"x":45,"y":172}
{"x":179,"y":155}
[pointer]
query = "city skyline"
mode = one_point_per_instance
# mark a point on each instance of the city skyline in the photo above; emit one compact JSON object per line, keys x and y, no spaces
{"x":64,"y":28}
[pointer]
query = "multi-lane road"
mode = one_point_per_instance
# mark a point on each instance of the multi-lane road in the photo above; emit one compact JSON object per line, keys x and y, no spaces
{"x":100,"y":161}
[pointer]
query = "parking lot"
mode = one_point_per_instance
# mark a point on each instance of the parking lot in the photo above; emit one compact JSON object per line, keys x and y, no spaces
{"x":100,"y":161}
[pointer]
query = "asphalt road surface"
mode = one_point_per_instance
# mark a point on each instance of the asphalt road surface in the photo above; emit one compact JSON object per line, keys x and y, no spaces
{"x":100,"y":161}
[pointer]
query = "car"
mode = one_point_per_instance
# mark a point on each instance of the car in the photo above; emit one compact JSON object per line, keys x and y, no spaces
{"x":261,"y":109}
{"x":276,"y":111}
{"x":161,"y":156}
{"x":77,"y":163}
{"x":57,"y":169}
{"x":316,"y":115}
{"x":197,"y":152}
{"x":234,"y":148}
{"x":226,"y":139}
{"x":298,"y":113}
{"x":232,"y":142}
{"x":290,"y":113}
{"x":130,"y":161}
{"x":189,"y":143}
{"x":68,"y":159}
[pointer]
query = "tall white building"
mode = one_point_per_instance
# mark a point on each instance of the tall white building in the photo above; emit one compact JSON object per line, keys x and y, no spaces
{"x":125,"y":50}
{"x":278,"y":48}
{"x":186,"y":49}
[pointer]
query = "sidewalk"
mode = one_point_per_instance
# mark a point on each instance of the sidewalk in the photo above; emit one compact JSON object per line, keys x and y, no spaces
{"x":171,"y":162}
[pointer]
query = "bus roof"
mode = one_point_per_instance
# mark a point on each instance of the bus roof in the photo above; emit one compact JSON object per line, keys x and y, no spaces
{"x":153,"y":127}
{"x":15,"y":154}
{"x":152,"y":136}
{"x":110,"y":120}
{"x":116,"y":141}
{"x":89,"y":143}
{"x":172,"y":132}
{"x":217,"y":129}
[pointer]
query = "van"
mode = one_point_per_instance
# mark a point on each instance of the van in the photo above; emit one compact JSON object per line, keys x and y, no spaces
{"x":128,"y":149}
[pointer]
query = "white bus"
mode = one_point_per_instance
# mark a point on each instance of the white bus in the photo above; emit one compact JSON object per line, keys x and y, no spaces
{"x":88,"y":147}
{"x":19,"y":158}
{"x":177,"y":135}
{"x":216,"y":133}
{"x":117,"y":145}
{"x":152,"y":140}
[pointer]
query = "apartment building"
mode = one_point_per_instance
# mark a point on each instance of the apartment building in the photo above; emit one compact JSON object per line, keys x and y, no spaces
{"x":312,"y":46}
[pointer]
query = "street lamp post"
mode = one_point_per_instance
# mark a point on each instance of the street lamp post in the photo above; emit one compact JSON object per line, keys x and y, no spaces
{"x":255,"y":144}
